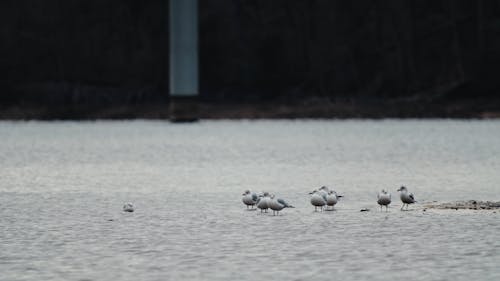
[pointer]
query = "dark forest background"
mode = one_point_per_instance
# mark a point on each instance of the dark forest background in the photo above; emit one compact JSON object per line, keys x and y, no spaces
{"x":88,"y":54}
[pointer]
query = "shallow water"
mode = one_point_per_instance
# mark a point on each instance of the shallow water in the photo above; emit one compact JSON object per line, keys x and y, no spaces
{"x":62,"y":186}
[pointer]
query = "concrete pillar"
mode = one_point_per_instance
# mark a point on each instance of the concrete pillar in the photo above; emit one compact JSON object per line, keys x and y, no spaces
{"x":183,"y":60}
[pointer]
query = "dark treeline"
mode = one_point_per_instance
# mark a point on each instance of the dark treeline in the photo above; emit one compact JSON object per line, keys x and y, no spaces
{"x":92,"y":53}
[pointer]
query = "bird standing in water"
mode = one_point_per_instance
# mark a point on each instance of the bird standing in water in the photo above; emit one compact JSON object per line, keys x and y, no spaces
{"x":263,"y":202}
{"x":318,"y":200}
{"x":384,"y":199}
{"x":249,"y":198}
{"x":128,"y":207}
{"x":406,"y":197}
{"x":278,"y":204}
{"x":332,"y":198}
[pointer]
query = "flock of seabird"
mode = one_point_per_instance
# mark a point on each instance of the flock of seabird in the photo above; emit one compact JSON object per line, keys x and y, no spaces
{"x":322,"y":199}
{"x":264,"y":201}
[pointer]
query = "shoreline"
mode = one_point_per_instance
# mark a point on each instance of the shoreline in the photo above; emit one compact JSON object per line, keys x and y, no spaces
{"x":310,"y":109}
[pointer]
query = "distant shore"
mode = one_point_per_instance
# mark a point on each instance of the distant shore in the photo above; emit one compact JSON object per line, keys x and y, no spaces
{"x":312,"y":108}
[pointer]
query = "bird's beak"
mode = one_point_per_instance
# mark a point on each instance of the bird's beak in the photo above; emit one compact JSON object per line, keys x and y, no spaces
{"x":340,"y":196}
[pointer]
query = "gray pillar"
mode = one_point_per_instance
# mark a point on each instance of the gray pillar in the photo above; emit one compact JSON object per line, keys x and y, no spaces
{"x":183,"y":60}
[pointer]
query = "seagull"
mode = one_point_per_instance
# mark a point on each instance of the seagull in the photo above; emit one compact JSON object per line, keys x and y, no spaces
{"x":263,"y":202}
{"x":406,"y":198}
{"x":249,"y":198}
{"x":384,"y":199}
{"x":128,"y":207}
{"x":278,"y":204}
{"x":323,"y":191}
{"x":332,"y":198}
{"x":318,"y":200}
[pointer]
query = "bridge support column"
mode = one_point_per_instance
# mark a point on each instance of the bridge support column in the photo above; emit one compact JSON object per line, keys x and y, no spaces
{"x":183,"y":60}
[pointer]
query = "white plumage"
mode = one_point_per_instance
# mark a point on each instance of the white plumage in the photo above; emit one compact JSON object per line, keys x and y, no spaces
{"x":384,"y":199}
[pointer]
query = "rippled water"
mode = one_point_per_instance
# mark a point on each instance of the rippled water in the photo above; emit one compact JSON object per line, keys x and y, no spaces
{"x":62,"y":186}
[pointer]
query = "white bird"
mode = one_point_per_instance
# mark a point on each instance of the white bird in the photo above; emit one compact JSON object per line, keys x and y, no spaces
{"x":318,"y":200}
{"x":332,"y":198}
{"x":323,"y":191}
{"x":263,"y":202}
{"x":249,"y":198}
{"x":384,"y":199}
{"x":406,"y":197}
{"x":278,"y":204}
{"x":128,"y":207}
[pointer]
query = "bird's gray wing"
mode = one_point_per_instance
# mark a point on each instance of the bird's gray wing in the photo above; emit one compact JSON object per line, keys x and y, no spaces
{"x":284,"y":203}
{"x":411,"y":197}
{"x":255,"y":197}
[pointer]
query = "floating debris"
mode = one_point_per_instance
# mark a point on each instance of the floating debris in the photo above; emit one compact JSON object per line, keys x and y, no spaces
{"x":466,"y":205}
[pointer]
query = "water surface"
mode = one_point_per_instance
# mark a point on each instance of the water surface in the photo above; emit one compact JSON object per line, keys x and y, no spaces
{"x":62,"y":185}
